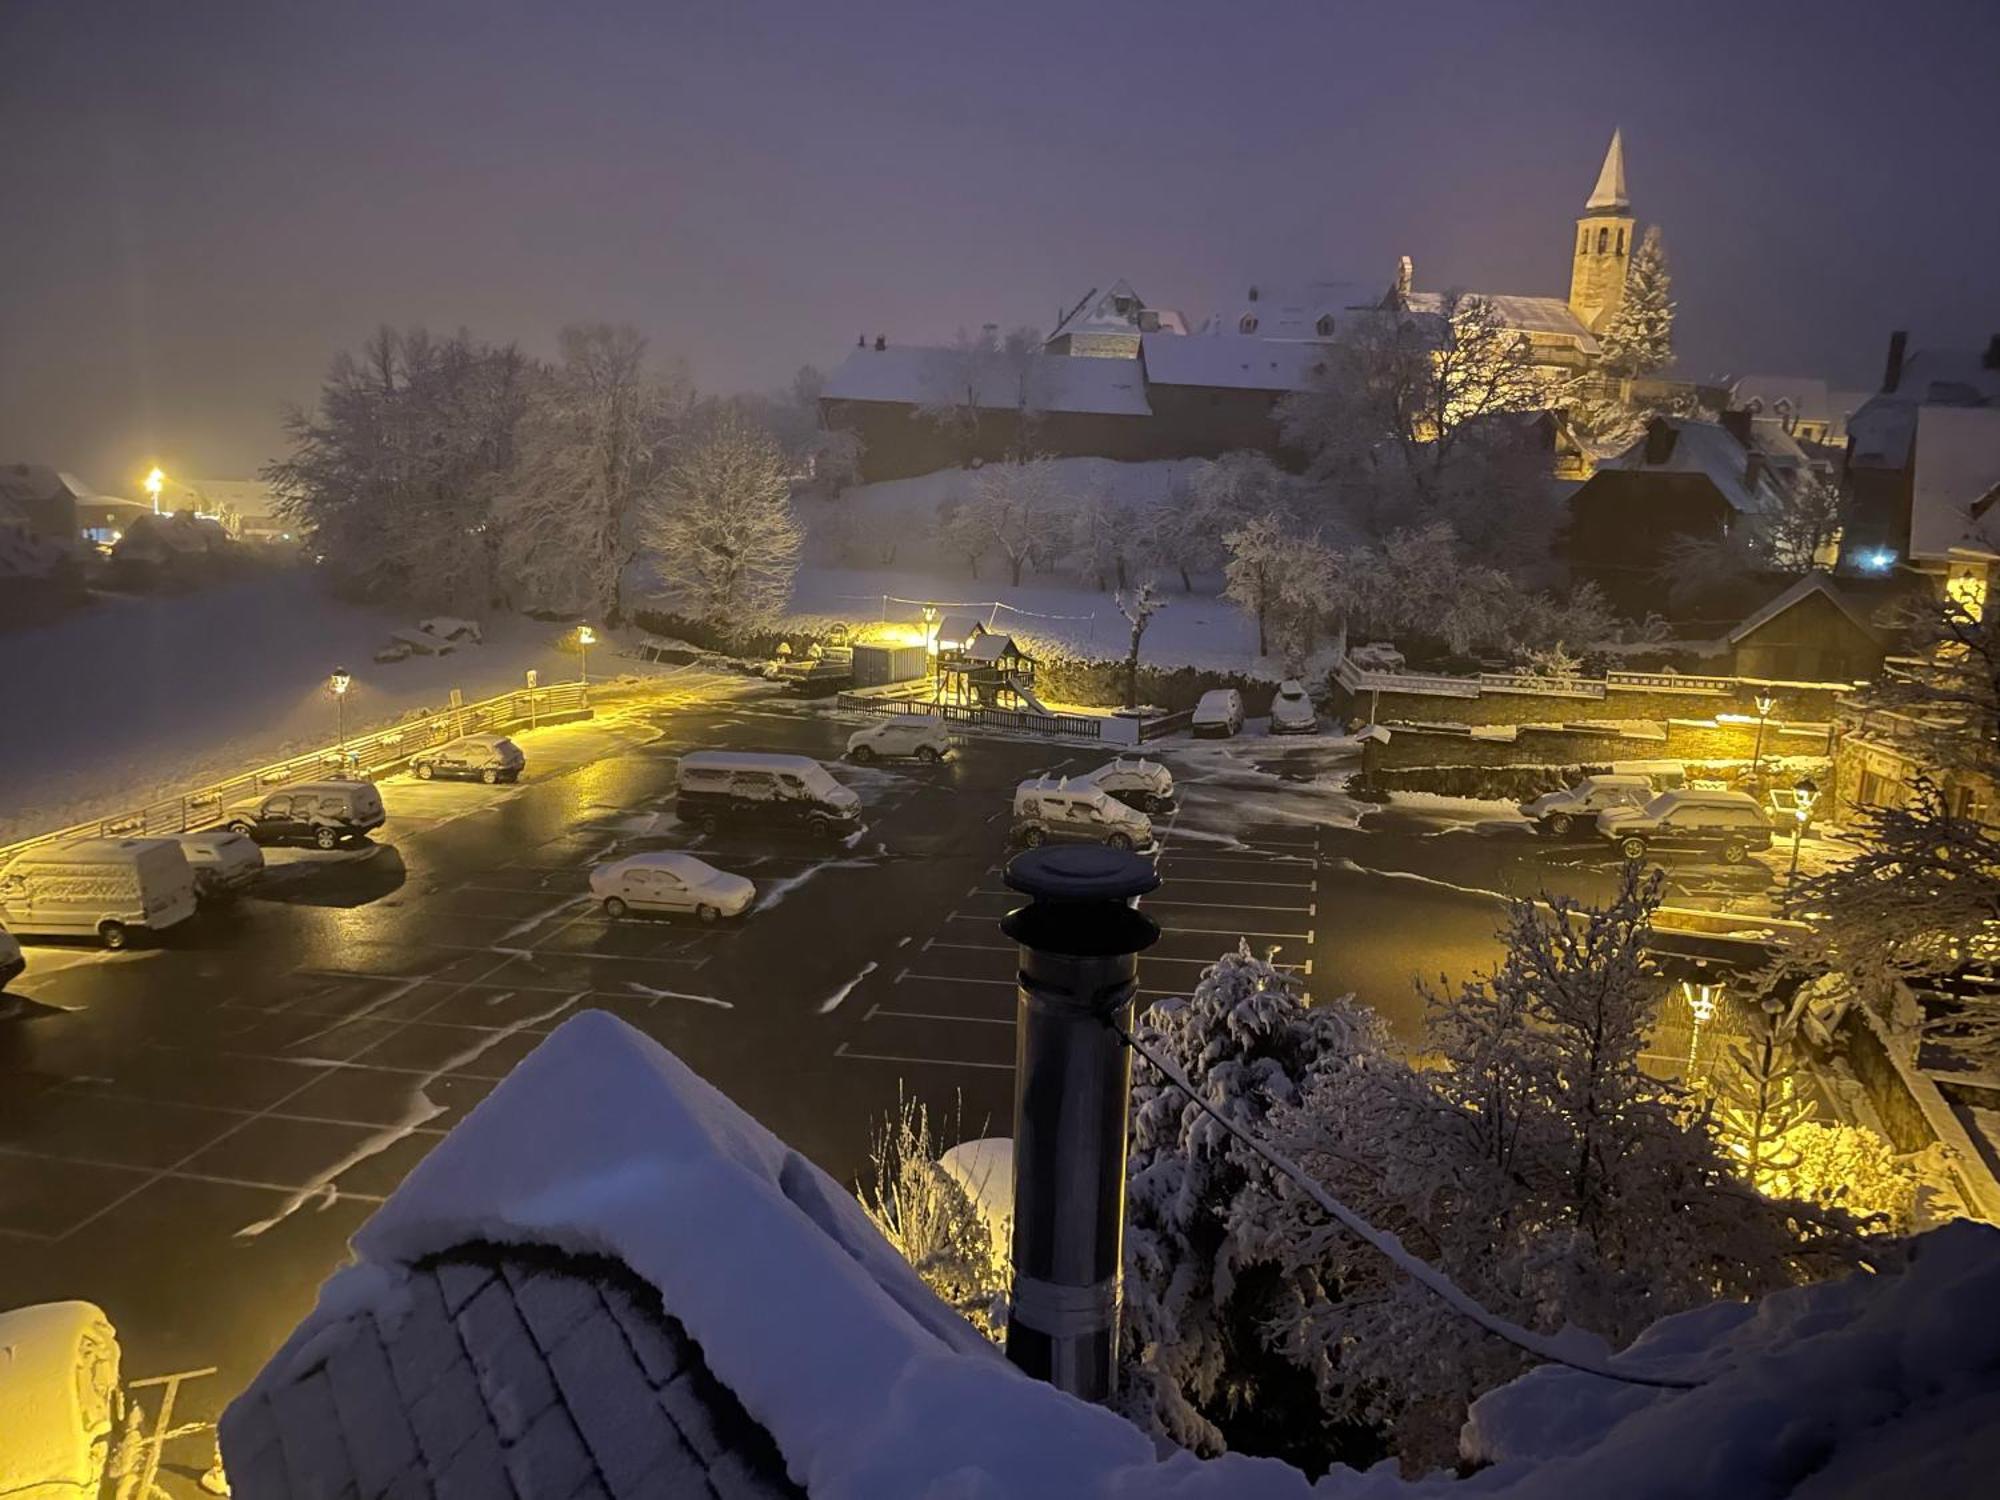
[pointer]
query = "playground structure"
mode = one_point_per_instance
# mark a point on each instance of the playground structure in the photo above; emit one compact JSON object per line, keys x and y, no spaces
{"x":981,"y":668}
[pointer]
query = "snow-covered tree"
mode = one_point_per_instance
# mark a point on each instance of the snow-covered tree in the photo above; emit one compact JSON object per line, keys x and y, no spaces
{"x":1759,"y":1100}
{"x":1847,"y":1168}
{"x":723,"y":532}
{"x":1102,"y":537}
{"x":932,"y":1221}
{"x":1182,"y":531}
{"x":1020,"y":508}
{"x":589,"y":459}
{"x":1257,"y":549}
{"x":1804,"y":528}
{"x":960,"y":531}
{"x":1197,"y":1364}
{"x":1639,"y":339}
{"x":836,"y":458}
{"x":1138,"y":606}
{"x":955,"y":384}
{"x":1713,"y":572}
{"x":1532,"y":1160}
{"x":391,"y":475}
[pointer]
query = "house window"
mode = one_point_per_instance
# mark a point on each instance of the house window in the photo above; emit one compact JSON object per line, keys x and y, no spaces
{"x":1121,"y":305}
{"x":1324,"y":327}
{"x":1603,"y":240}
{"x":1248,"y":323}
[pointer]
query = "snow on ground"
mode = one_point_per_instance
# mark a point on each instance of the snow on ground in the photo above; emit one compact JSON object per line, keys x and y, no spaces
{"x":138,"y":698}
{"x":893,"y":569}
{"x":1228,"y":786}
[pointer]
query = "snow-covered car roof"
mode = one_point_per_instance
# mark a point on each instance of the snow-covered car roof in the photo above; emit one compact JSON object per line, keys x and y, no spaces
{"x":684,"y":865}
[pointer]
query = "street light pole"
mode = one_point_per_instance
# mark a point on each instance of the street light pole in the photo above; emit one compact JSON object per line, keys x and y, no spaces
{"x":1804,"y":795}
{"x":1765,"y":702}
{"x":1701,"y":1002}
{"x":585,"y":639}
{"x":340,"y":681}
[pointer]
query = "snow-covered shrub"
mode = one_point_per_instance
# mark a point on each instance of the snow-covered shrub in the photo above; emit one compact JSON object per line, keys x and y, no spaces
{"x":1197,"y":1361}
{"x":932,"y":1220}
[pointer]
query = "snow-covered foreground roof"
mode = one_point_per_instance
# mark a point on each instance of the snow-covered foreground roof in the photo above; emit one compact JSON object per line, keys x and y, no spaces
{"x":603,"y":1144}
{"x":1232,"y":362}
{"x":1958,"y":466}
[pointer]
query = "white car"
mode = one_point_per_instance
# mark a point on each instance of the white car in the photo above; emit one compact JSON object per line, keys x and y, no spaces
{"x":1144,"y":784}
{"x":1050,"y":810}
{"x":11,"y":961}
{"x":225,"y":862}
{"x":1292,"y":710}
{"x":479,"y":757}
{"x":667,"y":880}
{"x":1556,"y":813}
{"x":1220,"y":712}
{"x":60,"y":1404}
{"x":922,"y":736}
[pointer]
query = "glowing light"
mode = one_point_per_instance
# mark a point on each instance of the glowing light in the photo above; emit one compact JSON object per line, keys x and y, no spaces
{"x":1765,"y":703}
{"x":154,"y":482}
{"x":1881,"y":560}
{"x":585,"y":636}
{"x":340,"y":681}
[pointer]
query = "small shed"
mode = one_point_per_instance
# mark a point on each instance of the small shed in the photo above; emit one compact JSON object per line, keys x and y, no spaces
{"x":1812,"y":632}
{"x":880,"y":665}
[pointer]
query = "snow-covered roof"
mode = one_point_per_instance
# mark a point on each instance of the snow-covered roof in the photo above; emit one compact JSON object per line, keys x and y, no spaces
{"x":1232,"y":362}
{"x":28,"y":483}
{"x":1531,"y":315}
{"x":1119,"y":309}
{"x":992,"y":646}
{"x":1801,"y":397}
{"x":1610,"y":196}
{"x":1956,"y":482}
{"x":604,"y":1179}
{"x":1880,"y":430}
{"x":915,"y":375}
{"x":1281,"y":310}
{"x":1813,"y":583}
{"x":1706,"y":448}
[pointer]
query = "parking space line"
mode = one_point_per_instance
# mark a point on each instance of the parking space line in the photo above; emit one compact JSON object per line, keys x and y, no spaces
{"x":930,"y":943}
{"x":1217,"y":905}
{"x":1290,"y":885}
{"x":927,"y":1015}
{"x":1232,"y":932}
{"x":844,"y":1051}
{"x":1005,"y":984}
{"x":178,"y":1175}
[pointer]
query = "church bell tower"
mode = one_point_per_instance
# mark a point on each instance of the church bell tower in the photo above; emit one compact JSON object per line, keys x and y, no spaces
{"x":1604,"y":244}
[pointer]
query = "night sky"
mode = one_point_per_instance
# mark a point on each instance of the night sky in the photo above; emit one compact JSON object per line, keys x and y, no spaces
{"x":199,"y":202}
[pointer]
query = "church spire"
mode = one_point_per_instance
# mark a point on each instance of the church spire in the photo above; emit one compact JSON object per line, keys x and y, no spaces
{"x":1609,"y":194}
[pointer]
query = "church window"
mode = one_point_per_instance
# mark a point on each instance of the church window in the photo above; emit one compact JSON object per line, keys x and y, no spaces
{"x":1603,"y":240}
{"x":1583,"y":241}
{"x":1324,"y":327}
{"x":1621,"y":242}
{"x":1248,"y":323}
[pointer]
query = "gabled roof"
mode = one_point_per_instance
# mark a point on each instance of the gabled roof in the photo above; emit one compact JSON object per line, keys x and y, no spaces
{"x":1232,"y":362}
{"x":1098,"y":313}
{"x":28,"y":483}
{"x":992,"y":646}
{"x":1705,"y":448}
{"x":1880,"y":431}
{"x":959,"y":628}
{"x":1956,"y":479}
{"x":1813,"y":583}
{"x":916,"y":375}
{"x":1531,"y":315}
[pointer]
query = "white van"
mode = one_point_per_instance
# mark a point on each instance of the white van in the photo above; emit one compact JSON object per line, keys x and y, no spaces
{"x":60,"y":1404}
{"x":667,"y":880}
{"x":781,"y":791}
{"x":1047,"y":810}
{"x":105,"y":887}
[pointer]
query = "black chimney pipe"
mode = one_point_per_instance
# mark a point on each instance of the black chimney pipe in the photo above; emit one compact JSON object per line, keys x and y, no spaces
{"x":1892,"y":372}
{"x":1080,"y":938}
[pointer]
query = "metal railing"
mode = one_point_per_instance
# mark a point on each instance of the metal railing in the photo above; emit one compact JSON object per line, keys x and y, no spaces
{"x":1063,"y":726}
{"x":1672,"y":682}
{"x":363,"y":756}
{"x":1361,"y":679}
{"x":1547,"y":687}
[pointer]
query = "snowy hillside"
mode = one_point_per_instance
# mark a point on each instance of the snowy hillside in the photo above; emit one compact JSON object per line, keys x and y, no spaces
{"x":892,"y":566}
{"x":138,"y":697}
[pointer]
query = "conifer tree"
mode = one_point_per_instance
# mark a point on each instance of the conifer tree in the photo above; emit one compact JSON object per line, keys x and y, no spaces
{"x":1639,"y":340}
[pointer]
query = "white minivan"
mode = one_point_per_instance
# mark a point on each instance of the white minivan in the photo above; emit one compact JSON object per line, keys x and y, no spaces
{"x":1050,"y":810}
{"x":103,"y":887}
{"x":667,"y":880}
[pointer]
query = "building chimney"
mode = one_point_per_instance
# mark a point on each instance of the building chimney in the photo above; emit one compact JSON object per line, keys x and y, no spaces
{"x":1661,"y":435}
{"x":1737,"y":422}
{"x":1753,"y":468}
{"x":1892,"y":372}
{"x":1080,"y":937}
{"x":1991,"y":360}
{"x":880,"y":343}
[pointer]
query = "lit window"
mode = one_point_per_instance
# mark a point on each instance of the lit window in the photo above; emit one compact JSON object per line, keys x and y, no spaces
{"x":1248,"y":323}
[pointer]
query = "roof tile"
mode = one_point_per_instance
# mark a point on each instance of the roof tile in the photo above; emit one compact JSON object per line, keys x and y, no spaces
{"x":365,"y":1395}
{"x":661,"y":1358}
{"x":460,"y":1281}
{"x":477,"y":1472}
{"x":309,"y":1427}
{"x":449,"y":1414}
{"x":552,"y":1304}
{"x":423,"y":1343}
{"x":612,"y":1403}
{"x":550,"y":1458}
{"x":512,"y":1374}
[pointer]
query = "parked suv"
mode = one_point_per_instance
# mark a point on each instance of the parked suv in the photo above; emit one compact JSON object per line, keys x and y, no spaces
{"x":781,"y":791}
{"x":1052,"y":811}
{"x":478,"y":757}
{"x":1557,"y":813}
{"x":1726,"y":824}
{"x":920,"y":735}
{"x":1144,"y":784}
{"x":1220,"y":712}
{"x":323,"y":813}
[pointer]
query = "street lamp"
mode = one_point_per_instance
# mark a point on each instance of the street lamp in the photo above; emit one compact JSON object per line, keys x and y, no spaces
{"x":1765,"y":703}
{"x":534,"y":719}
{"x":585,"y":639}
{"x":1701,"y":1002}
{"x":154,"y":481}
{"x":1804,"y":795}
{"x":338,"y":683}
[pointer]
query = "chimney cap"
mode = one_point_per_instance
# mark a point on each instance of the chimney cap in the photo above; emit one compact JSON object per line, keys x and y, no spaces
{"x":1081,"y":872}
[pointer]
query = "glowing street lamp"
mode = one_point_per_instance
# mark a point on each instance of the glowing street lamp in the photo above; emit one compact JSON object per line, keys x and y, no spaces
{"x":585,"y":639}
{"x":1804,"y":795}
{"x":337,"y":684}
{"x":534,"y":717}
{"x":1702,"y":1000}
{"x":1765,"y":703}
{"x":154,"y":483}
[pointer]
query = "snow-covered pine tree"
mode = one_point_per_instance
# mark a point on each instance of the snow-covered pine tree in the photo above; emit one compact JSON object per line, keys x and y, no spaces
{"x":1759,"y":1101}
{"x":1639,"y":339}
{"x":1196,"y":1359}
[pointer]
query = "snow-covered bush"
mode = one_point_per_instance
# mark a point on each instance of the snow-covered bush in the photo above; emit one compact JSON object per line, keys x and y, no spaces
{"x":932,"y":1220}
{"x":1197,"y":1361}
